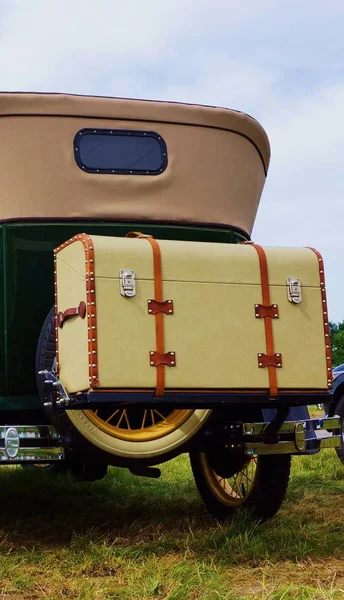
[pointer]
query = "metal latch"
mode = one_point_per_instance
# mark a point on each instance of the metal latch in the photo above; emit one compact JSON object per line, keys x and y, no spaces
{"x":127,"y":282}
{"x":294,"y":290}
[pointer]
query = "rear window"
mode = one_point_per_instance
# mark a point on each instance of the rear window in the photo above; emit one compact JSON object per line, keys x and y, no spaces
{"x":120,"y":151}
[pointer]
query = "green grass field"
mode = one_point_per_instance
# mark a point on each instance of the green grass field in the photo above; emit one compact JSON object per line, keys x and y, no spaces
{"x":136,"y":538}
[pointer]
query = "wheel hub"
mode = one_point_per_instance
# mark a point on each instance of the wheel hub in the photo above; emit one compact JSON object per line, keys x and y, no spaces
{"x":138,"y":424}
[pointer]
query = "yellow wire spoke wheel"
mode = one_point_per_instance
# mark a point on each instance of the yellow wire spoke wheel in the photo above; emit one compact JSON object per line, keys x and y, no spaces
{"x":232,"y":491}
{"x":258,"y":483}
{"x":137,"y":432}
{"x":138,"y":424}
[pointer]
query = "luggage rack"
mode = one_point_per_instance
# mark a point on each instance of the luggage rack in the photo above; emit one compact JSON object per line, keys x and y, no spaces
{"x":277,"y":436}
{"x":175,"y":398}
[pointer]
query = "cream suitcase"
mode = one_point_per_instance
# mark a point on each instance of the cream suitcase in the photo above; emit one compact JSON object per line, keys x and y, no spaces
{"x":223,"y":317}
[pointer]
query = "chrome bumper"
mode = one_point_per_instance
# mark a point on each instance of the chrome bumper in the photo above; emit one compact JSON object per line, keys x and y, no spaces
{"x":294,"y":437}
{"x":30,"y":443}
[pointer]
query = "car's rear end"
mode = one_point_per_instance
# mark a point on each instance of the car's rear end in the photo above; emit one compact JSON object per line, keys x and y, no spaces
{"x":241,"y":377}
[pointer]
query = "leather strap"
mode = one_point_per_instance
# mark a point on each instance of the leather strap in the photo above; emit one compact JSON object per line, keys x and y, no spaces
{"x":159,"y":316}
{"x":270,"y":352}
{"x":71,"y":312}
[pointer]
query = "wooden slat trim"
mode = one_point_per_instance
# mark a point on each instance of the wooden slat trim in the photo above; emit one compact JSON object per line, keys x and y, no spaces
{"x":325,"y":318}
{"x":91,"y":311}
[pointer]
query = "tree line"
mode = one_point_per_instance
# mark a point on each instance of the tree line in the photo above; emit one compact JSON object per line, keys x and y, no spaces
{"x":337,"y":342}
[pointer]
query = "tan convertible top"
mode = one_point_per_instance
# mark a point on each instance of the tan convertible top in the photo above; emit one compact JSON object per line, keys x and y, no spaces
{"x":217,"y":161}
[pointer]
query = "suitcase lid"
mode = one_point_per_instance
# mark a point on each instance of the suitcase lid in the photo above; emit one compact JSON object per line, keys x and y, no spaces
{"x":194,"y":261}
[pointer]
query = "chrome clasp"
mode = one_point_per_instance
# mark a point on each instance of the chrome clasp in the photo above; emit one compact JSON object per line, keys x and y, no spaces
{"x":294,"y":290}
{"x":127,"y":283}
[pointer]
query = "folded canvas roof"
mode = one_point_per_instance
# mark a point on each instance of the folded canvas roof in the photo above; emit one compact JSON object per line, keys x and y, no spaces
{"x":215,"y":168}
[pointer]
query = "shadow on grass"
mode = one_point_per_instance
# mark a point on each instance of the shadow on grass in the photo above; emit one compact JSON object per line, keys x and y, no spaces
{"x":144,"y":517}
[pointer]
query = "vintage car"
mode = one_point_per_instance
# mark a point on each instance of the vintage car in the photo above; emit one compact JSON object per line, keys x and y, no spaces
{"x":335,"y":403}
{"x":138,"y":321}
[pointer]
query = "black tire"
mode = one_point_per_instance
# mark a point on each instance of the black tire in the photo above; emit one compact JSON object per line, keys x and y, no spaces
{"x":339,"y":410}
{"x":262,"y":500}
{"x":83,"y":460}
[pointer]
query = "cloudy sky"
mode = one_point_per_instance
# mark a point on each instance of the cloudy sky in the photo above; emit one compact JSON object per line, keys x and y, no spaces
{"x":282,"y":62}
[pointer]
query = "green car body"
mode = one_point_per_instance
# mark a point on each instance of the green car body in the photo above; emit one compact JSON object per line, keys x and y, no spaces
{"x":26,"y":294}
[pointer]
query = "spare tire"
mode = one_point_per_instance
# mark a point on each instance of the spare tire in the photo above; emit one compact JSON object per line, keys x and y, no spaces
{"x":123,"y":435}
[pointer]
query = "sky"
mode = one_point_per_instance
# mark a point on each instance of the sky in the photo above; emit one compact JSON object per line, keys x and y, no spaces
{"x":281,"y":62}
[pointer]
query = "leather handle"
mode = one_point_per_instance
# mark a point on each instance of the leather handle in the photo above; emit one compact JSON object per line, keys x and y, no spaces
{"x":79,"y":311}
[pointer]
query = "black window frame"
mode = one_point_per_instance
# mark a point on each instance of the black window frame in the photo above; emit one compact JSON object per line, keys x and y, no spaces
{"x":120,"y":133}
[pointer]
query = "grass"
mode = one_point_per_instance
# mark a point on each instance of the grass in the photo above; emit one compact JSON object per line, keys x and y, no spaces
{"x":135,"y":538}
